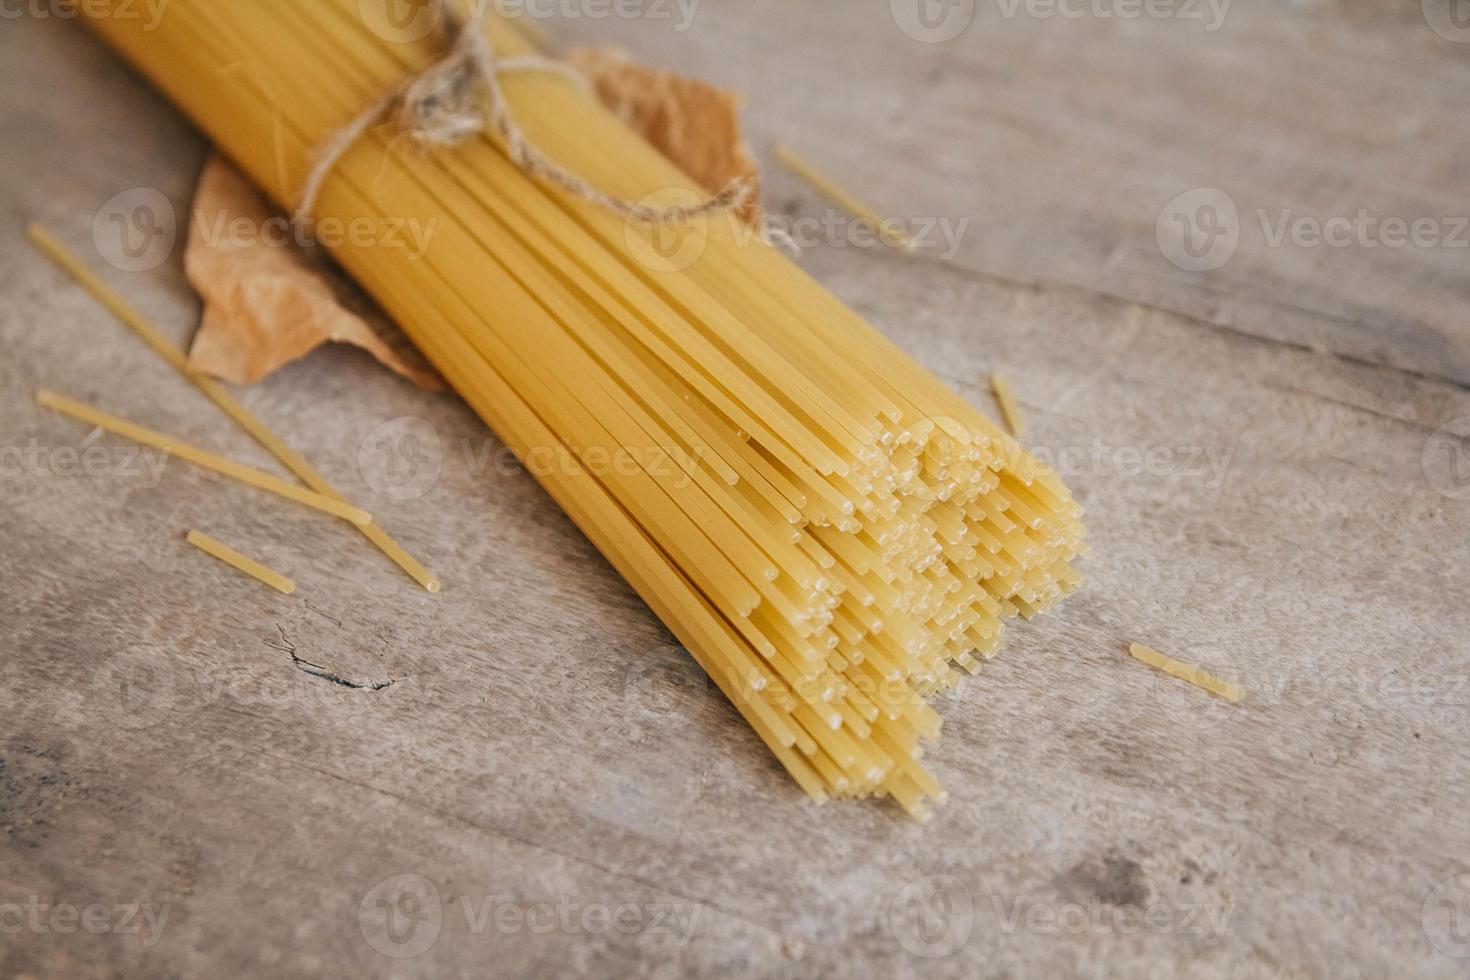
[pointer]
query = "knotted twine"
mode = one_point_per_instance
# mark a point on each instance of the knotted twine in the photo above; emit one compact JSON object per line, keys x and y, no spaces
{"x":458,"y":96}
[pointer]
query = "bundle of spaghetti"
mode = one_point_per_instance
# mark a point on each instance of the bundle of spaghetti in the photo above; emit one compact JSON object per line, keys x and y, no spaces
{"x":827,"y":528}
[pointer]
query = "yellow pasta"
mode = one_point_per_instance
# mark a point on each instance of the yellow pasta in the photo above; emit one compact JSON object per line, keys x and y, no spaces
{"x":1186,"y":672}
{"x":832,"y":533}
{"x":843,"y":198}
{"x":1009,"y":409}
{"x":199,"y":457}
{"x":249,"y":566}
{"x":216,"y":393}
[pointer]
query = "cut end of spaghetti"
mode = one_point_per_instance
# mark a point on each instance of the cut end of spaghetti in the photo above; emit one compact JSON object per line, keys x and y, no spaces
{"x":164,"y":348}
{"x":1009,"y":409}
{"x":843,"y":198}
{"x":236,"y":560}
{"x":41,"y":238}
{"x":199,"y":457}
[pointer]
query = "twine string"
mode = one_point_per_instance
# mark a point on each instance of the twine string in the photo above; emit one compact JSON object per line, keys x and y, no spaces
{"x":459,"y":96}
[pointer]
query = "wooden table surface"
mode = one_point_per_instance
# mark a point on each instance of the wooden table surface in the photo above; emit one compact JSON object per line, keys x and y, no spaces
{"x":1255,"y":423}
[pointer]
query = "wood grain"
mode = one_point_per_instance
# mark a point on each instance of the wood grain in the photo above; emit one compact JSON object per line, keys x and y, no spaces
{"x":1250,"y":443}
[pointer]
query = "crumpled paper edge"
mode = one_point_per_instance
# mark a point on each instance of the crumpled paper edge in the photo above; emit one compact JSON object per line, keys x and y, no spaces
{"x":268,"y":301}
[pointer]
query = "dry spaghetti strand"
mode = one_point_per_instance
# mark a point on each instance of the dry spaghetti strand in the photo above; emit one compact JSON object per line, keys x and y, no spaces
{"x":200,"y":457}
{"x":233,"y":558}
{"x":1010,"y":410}
{"x":216,"y":393}
{"x":1186,"y":672}
{"x":843,"y":198}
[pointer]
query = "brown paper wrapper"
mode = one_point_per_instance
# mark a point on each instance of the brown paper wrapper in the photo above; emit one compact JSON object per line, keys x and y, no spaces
{"x":267,"y":301}
{"x":693,"y":123}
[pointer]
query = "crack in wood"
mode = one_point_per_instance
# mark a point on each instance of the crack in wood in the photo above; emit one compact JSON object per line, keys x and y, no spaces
{"x":318,"y":671}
